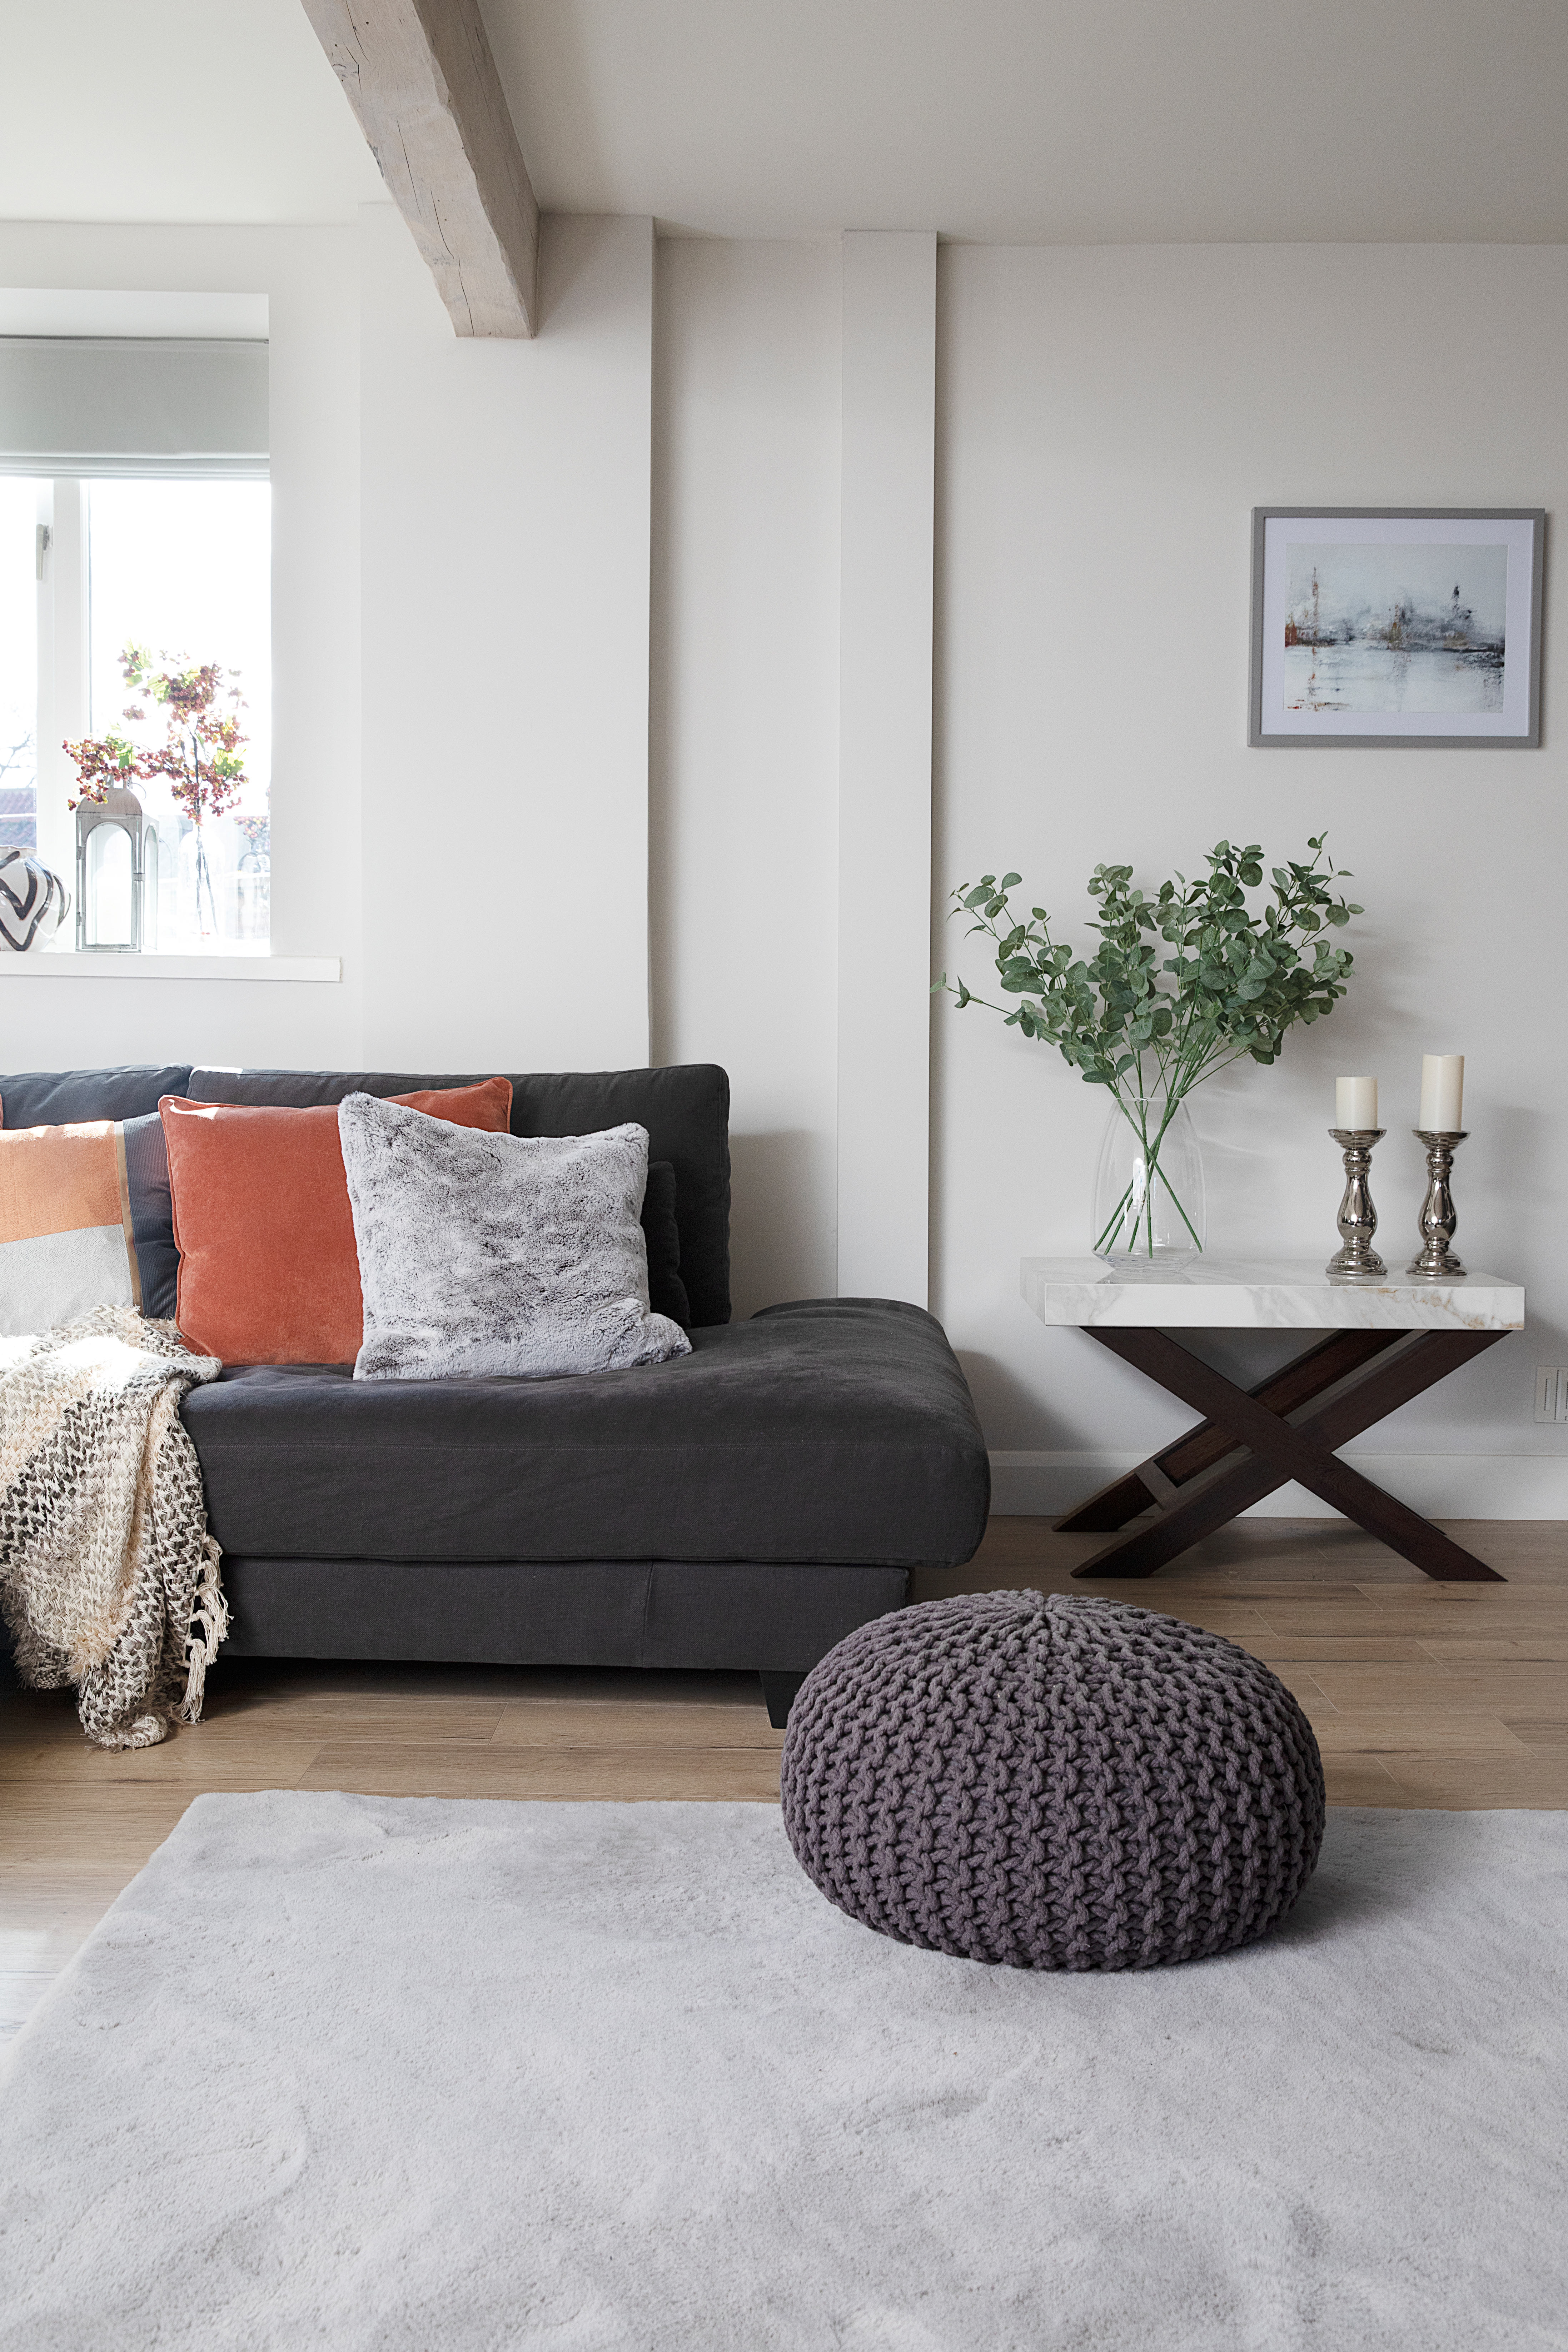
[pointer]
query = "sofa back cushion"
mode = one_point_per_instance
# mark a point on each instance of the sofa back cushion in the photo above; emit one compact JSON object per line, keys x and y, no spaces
{"x":269,"y":1271}
{"x":65,"y":1097}
{"x":662,"y":1232}
{"x":685,"y":1110}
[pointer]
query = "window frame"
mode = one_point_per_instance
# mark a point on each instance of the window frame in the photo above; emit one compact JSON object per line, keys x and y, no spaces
{"x":64,"y":704}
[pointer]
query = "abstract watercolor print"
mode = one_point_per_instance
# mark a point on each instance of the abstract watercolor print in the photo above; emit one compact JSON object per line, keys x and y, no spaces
{"x":1392,"y":628}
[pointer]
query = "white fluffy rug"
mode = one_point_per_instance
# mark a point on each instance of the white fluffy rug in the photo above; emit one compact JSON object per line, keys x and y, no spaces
{"x":430,"y":2077}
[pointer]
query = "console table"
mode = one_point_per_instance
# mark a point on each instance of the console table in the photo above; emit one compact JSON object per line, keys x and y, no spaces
{"x":1385,"y":1343}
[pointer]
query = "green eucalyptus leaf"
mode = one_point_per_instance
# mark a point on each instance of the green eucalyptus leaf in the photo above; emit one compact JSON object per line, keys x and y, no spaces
{"x":1237,"y":982}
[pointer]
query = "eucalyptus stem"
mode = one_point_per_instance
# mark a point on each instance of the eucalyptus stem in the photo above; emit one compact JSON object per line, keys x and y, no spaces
{"x":1236,"y":979}
{"x":1154,"y":1173}
{"x":1117,"y":1215}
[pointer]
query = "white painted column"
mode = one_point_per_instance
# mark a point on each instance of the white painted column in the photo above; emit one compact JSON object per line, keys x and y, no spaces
{"x":64,"y":702}
{"x":506,"y":502}
{"x":885,"y":764}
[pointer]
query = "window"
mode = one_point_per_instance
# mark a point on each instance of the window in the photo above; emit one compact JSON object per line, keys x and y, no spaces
{"x":181,"y":569}
{"x":18,"y":666}
{"x":135,"y":589}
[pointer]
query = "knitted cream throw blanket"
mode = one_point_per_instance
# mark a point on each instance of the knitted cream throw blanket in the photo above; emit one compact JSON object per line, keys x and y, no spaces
{"x":108,"y":1576}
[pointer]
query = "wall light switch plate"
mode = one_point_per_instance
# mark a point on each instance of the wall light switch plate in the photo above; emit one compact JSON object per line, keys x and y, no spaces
{"x":1551,"y":1393}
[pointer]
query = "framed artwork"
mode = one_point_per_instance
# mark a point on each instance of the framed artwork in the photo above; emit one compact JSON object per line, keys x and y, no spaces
{"x":1401,"y":625}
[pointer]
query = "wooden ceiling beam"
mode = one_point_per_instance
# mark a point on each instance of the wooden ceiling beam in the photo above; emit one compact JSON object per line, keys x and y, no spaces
{"x":420,"y":77}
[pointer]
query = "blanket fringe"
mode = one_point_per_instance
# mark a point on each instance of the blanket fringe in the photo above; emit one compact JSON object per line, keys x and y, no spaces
{"x":146,"y":1731}
{"x":209,"y":1624}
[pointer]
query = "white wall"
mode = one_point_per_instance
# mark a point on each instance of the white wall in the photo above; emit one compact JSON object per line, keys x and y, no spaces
{"x":746,"y":726}
{"x":887,"y":551}
{"x":506,"y":503}
{"x":1109,"y":417}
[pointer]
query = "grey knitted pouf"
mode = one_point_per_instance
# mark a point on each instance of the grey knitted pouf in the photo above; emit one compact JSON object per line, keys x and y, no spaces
{"x":1051,"y":1782}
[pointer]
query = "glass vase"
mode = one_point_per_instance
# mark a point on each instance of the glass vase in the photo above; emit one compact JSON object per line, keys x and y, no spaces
{"x":1148,"y":1190}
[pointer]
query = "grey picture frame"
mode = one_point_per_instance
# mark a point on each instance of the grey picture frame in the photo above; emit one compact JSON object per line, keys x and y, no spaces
{"x":1528,"y":740}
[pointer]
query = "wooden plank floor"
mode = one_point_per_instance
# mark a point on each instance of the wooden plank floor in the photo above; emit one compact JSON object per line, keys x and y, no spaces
{"x":1421,"y":1693}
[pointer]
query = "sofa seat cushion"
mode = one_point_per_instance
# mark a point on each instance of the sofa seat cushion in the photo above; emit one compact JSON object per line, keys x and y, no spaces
{"x":829,"y":1430}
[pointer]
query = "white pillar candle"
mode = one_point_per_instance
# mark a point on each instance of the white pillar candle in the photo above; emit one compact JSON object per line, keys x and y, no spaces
{"x":1355,"y":1102}
{"x":1442,"y":1092}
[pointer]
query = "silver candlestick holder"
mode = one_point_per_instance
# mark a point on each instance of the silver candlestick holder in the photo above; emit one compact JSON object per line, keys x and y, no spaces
{"x":1439,"y":1218}
{"x":1356,"y":1260}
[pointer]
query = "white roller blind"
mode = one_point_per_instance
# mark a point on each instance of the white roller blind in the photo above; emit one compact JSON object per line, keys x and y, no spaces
{"x":97,"y":405}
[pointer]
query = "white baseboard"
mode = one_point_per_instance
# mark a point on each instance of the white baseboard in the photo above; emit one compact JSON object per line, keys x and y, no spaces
{"x":1439,"y":1485}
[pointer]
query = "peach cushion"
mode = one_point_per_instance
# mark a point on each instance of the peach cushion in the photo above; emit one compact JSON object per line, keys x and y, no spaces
{"x":268,"y":1270}
{"x":67,"y":1235}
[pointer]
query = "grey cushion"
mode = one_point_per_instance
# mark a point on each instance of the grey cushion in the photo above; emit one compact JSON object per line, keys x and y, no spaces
{"x":686,"y":1110}
{"x":831,"y":1430}
{"x":498,"y":1255}
{"x":666,"y":1292}
{"x":151,"y":1213}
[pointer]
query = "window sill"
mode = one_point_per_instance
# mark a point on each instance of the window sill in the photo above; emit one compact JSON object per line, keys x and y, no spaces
{"x":62,"y":964}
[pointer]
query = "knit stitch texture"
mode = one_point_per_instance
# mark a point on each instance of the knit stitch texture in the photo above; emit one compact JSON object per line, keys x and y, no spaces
{"x":109,"y":1579}
{"x":1052,"y":1784}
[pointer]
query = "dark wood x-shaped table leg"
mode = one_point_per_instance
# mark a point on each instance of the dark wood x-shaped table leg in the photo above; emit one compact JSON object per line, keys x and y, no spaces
{"x":1198,"y":1483}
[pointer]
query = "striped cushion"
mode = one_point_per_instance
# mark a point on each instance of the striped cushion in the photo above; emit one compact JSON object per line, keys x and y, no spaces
{"x":66,"y":1242}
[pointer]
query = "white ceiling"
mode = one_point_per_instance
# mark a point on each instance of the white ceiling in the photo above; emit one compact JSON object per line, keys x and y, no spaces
{"x":174,"y":111}
{"x":1005,"y":120}
{"x":1033,"y":119}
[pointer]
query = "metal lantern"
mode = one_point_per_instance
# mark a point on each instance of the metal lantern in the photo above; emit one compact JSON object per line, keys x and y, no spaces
{"x":253,"y":881}
{"x":99,"y":826}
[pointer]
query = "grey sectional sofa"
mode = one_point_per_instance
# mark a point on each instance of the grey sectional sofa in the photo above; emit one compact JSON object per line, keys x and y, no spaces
{"x":746,"y":1506}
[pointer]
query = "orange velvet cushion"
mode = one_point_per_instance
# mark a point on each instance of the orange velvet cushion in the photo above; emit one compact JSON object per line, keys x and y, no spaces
{"x":269,"y":1271}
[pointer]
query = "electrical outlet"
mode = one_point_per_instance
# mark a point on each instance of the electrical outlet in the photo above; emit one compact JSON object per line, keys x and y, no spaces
{"x":1551,"y":1393}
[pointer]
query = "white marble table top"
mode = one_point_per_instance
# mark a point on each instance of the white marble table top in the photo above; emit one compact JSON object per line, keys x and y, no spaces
{"x":1266,"y":1294}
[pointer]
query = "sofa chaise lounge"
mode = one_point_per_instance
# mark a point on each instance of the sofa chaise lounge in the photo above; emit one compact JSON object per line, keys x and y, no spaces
{"x":744,"y":1507}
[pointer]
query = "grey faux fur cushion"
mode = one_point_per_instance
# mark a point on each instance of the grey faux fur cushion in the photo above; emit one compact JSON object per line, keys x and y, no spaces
{"x":487,"y":1254}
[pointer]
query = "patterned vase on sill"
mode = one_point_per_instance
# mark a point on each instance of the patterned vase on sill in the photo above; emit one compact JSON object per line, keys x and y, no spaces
{"x":34,"y":902}
{"x":1148,"y":1213}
